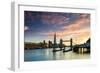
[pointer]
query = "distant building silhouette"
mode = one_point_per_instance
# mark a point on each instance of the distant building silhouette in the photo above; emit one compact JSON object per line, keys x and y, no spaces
{"x":55,"y":39}
{"x":49,"y":44}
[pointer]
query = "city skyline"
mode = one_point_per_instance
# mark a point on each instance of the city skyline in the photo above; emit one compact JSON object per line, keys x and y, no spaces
{"x":39,"y":26}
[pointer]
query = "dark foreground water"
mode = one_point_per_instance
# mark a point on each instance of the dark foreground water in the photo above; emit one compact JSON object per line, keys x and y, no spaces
{"x":47,"y":54}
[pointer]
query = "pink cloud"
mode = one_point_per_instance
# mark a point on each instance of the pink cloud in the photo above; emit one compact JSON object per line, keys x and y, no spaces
{"x":84,"y":21}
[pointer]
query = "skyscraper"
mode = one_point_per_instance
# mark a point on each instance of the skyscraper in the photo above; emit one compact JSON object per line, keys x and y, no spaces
{"x":55,"y":39}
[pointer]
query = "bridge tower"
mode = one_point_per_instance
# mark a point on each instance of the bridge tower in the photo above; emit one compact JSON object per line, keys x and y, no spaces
{"x":71,"y":43}
{"x":61,"y":44}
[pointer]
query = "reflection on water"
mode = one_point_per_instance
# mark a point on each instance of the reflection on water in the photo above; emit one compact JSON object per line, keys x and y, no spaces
{"x":47,"y":54}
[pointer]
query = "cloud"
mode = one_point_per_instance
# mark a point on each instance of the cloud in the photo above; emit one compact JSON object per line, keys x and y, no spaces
{"x":55,"y":19}
{"x":74,"y":27}
{"x":68,"y":25}
{"x":29,"y":16}
{"x":78,"y":30}
{"x":26,"y":28}
{"x":81,"y":23}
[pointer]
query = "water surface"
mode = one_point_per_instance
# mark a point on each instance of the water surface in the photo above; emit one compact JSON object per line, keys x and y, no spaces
{"x":47,"y":54}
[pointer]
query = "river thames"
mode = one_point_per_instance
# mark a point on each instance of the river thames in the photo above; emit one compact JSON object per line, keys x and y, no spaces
{"x":47,"y":55}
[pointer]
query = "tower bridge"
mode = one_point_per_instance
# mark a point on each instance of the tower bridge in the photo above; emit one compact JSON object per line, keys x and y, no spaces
{"x":74,"y":48}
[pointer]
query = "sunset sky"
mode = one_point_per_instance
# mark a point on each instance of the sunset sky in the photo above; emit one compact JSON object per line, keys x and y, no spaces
{"x":39,"y":26}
